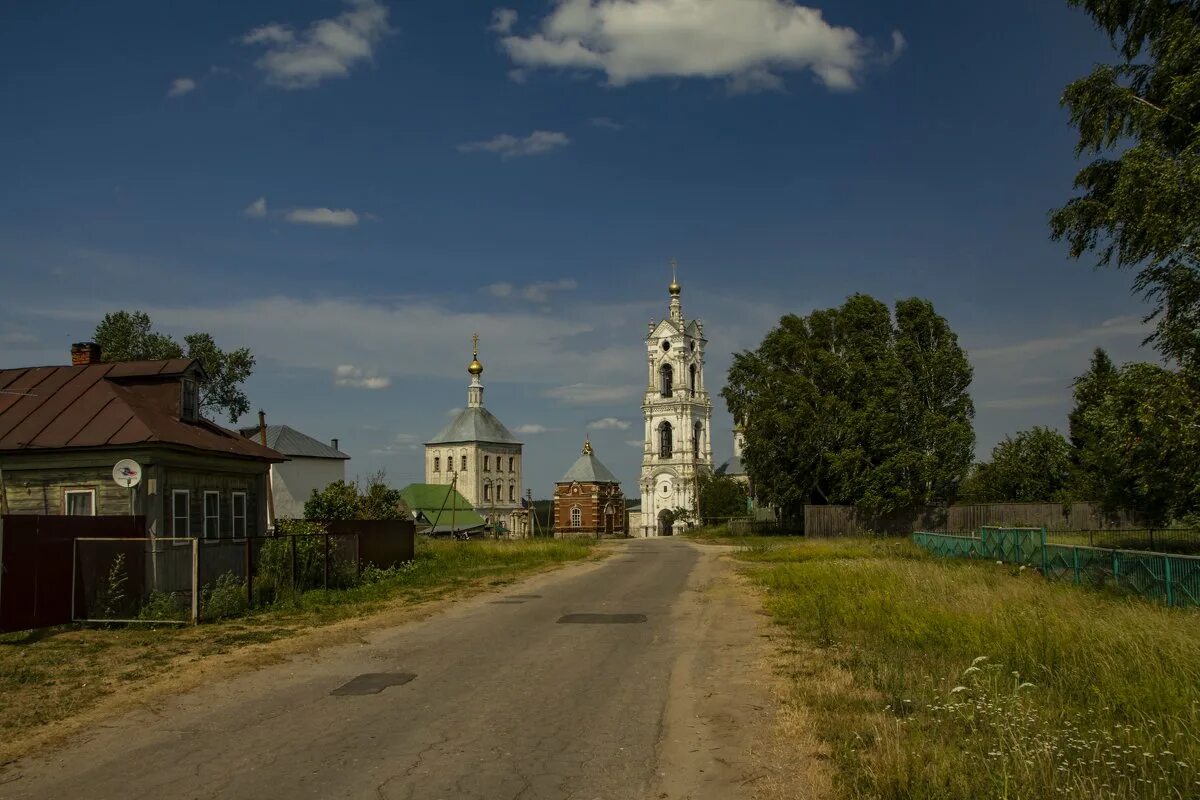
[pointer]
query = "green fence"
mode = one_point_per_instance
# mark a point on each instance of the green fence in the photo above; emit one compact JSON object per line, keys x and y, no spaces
{"x":1163,"y":577}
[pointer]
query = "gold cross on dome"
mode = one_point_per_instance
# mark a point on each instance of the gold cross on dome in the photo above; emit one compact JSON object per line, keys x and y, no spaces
{"x":673,"y":265}
{"x":475,"y":343}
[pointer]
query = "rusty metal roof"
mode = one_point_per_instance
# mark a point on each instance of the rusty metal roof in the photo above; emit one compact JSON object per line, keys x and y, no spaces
{"x":107,"y":405}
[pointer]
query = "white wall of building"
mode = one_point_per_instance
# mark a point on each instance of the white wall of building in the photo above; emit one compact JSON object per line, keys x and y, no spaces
{"x":293,"y":482}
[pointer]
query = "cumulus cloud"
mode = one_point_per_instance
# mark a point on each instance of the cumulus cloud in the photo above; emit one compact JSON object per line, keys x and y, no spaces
{"x":607,"y":123}
{"x":531,"y":429}
{"x":359,"y":378}
{"x":180,"y":87}
{"x":536,"y":292}
{"x":257,"y":209}
{"x":399,"y":444}
{"x":502,"y":20}
{"x":609,"y":424}
{"x":580,"y":394}
{"x":337,"y":218}
{"x":744,"y":42}
{"x":509,"y":146}
{"x":329,"y":48}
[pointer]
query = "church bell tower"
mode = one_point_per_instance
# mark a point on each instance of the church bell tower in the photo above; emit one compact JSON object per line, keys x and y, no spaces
{"x":678,"y":415}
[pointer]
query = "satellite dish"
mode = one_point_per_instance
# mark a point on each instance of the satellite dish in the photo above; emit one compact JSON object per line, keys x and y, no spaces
{"x":127,"y":473}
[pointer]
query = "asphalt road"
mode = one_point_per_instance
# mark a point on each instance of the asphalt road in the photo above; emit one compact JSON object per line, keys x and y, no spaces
{"x":658,"y":696}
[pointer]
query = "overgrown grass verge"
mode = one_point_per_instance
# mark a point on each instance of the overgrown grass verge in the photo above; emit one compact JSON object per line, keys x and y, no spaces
{"x":51,"y":675}
{"x":950,"y":679}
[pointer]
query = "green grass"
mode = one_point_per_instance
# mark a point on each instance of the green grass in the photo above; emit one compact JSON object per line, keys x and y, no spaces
{"x":52,"y":675}
{"x":951,"y":679}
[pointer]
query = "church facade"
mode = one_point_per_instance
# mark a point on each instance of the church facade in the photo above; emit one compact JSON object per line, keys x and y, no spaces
{"x":678,"y":419}
{"x":588,"y":499}
{"x":481,"y":458}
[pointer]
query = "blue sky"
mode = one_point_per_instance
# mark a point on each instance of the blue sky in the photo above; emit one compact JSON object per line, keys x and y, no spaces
{"x":352,"y":188}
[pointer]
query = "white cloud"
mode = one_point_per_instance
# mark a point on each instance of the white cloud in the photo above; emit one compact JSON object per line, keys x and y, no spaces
{"x":358,"y":378}
{"x":509,"y":146}
{"x":531,"y":429}
{"x":635,"y":442}
{"x":1095,"y":336}
{"x":401,"y":443}
{"x":337,"y":218}
{"x":580,"y":394}
{"x":180,"y":87}
{"x":606,"y":122}
{"x":329,"y":48}
{"x":502,"y":20}
{"x":536,"y":292}
{"x":745,"y":42}
{"x":609,"y":424}
{"x":257,"y":209}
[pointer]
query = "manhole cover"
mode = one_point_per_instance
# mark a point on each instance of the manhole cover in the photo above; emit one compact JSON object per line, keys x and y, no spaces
{"x":603,"y":619}
{"x":373,"y":683}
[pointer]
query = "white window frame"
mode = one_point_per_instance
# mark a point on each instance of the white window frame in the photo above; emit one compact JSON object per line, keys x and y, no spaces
{"x":217,"y":518}
{"x":187,"y":533}
{"x":437,"y":463}
{"x":87,"y":491}
{"x":576,"y":517}
{"x":233,"y":516}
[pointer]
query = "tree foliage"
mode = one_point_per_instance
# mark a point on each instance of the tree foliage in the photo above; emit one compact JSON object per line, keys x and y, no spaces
{"x":850,"y":405}
{"x":348,"y":500}
{"x":1032,"y":466}
{"x":1139,"y":450}
{"x":129,"y":336}
{"x":1139,"y":206}
{"x":721,"y":497}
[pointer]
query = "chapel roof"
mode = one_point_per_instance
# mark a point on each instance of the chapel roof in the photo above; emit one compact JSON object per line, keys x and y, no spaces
{"x":474,"y":425}
{"x":588,"y":469}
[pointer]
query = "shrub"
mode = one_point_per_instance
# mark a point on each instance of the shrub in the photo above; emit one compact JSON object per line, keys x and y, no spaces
{"x":224,"y":598}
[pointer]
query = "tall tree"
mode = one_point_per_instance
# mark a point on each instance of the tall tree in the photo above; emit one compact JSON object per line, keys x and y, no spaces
{"x":126,"y":336}
{"x":1139,"y":206}
{"x":1034,"y":465}
{"x":849,"y":405}
{"x":721,"y":497}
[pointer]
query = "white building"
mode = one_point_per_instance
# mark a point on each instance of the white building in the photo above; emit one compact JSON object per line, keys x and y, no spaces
{"x":311,"y":465}
{"x":678,"y":416}
{"x":481,"y":458}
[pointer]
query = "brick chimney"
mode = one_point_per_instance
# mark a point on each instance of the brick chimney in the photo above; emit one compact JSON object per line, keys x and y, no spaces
{"x":334,"y":443}
{"x":85,"y":353}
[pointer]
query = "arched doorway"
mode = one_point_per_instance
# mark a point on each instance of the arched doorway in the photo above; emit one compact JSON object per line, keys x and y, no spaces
{"x":666,"y":522}
{"x":609,"y":525}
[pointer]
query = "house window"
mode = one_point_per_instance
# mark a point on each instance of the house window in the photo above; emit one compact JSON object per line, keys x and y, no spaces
{"x":487,"y":491}
{"x":191,"y":400}
{"x":437,"y":464}
{"x":666,"y":377}
{"x":665,"y":444}
{"x":511,"y":460}
{"x":238,"y":502}
{"x":79,"y":502}
{"x":512,"y":493}
{"x":576,"y":517}
{"x":212,"y":515}
{"x":180,"y":519}
{"x":464,"y":462}
{"x":696,"y":440}
{"x":487,"y":463}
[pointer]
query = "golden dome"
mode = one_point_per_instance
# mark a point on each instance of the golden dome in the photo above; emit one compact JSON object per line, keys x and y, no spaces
{"x":475,"y":368}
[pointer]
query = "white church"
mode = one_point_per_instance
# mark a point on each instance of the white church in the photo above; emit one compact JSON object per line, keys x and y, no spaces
{"x":678,"y":416}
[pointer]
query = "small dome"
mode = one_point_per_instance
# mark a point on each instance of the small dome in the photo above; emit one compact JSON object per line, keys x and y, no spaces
{"x":475,"y":368}
{"x":674,"y":288}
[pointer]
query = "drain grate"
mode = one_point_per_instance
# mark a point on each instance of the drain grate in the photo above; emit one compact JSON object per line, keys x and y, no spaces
{"x":373,"y":683}
{"x":603,"y":619}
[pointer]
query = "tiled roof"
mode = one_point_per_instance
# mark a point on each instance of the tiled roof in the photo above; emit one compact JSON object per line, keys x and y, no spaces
{"x":291,"y":442}
{"x":474,"y":425}
{"x":108,"y":405}
{"x":588,"y":469}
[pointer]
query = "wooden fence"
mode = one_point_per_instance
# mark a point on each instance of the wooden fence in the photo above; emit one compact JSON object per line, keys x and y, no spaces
{"x":826,"y":521}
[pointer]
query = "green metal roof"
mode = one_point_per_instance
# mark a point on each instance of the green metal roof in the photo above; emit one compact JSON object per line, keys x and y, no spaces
{"x":431,"y":499}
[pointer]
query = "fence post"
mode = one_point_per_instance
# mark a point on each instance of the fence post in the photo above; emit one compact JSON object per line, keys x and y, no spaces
{"x":1116,"y":567}
{"x":326,"y":575}
{"x":249,"y":573}
{"x":293,"y":538}
{"x":1075,"y":558}
{"x":195,"y":581}
{"x":1167,"y":579}
{"x":1044,"y":552}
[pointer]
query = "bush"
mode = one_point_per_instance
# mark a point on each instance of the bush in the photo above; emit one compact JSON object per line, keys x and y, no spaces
{"x":225,"y":598}
{"x":162,"y":606}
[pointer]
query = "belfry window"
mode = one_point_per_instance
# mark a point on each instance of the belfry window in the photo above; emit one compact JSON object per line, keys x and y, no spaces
{"x":692,"y":379}
{"x":665,"y":445}
{"x":697,"y":430}
{"x":666,"y":376}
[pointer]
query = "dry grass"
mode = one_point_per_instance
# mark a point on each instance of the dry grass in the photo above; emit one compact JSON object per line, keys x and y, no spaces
{"x":51,"y":678}
{"x":944,"y":679}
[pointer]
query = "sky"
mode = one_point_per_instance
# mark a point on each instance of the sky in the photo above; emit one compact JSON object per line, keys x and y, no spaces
{"x":351,"y":188}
